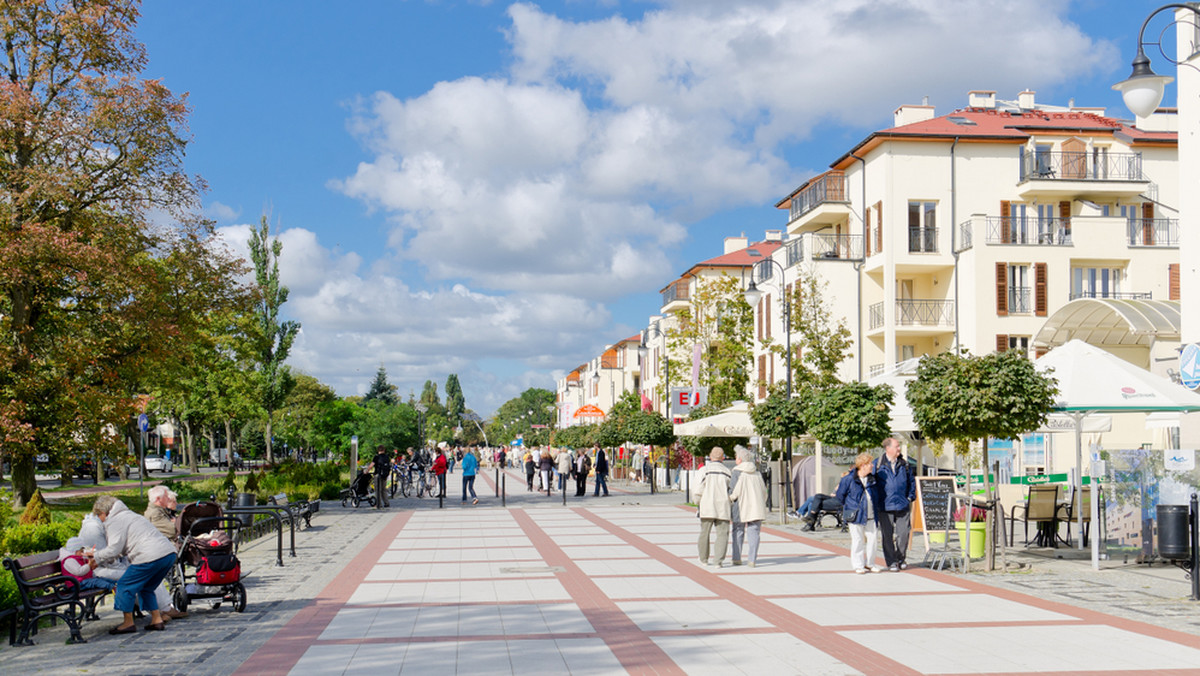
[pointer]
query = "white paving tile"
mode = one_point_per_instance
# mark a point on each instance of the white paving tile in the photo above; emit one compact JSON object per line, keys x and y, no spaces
{"x":1028,"y":649}
{"x":651,"y":587}
{"x":325,"y":659}
{"x":625,"y":567}
{"x":801,"y":584}
{"x":452,"y":591}
{"x":701,"y":614}
{"x":754,"y":654}
{"x":580,"y":553}
{"x":916,"y":609}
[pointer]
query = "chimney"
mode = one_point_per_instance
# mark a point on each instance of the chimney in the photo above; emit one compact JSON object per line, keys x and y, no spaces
{"x":773,"y":236}
{"x":1025,"y":100}
{"x":981,"y":99}
{"x":736,"y":244}
{"x":910,"y":114}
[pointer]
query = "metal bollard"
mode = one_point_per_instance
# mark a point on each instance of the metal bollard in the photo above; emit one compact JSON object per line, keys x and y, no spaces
{"x":564,"y":491}
{"x":503,"y":490}
{"x":497,"y":482}
{"x":1194,"y":518}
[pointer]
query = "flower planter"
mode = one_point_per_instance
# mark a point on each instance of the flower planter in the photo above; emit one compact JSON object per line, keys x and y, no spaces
{"x":978,"y":535}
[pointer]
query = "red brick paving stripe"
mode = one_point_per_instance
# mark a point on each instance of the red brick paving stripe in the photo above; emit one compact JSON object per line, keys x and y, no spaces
{"x":283,"y":650}
{"x":830,"y":642}
{"x":1087,"y":616}
{"x":632,"y":647}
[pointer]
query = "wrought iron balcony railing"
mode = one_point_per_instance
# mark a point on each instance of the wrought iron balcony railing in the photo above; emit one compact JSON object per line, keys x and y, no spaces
{"x":1154,"y":232}
{"x":1035,"y":231}
{"x":1080,"y":166}
{"x":829,"y":188}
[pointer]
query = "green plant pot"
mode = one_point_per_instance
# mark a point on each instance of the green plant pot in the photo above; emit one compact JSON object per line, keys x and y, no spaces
{"x":937,"y":537}
{"x":978,"y":534}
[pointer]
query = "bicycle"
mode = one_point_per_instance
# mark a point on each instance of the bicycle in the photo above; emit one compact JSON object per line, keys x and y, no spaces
{"x":425,"y":487}
{"x":401,"y":480}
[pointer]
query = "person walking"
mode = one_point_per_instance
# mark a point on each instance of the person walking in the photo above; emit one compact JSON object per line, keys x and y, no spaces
{"x":381,"y":465}
{"x":601,"y":472}
{"x":583,"y":465}
{"x":530,"y":470}
{"x":899,"y":490}
{"x":861,"y":500}
{"x":749,"y":497}
{"x":439,"y":470}
{"x":545,"y":470}
{"x":711,"y":493}
{"x":470,"y":467}
{"x":563,"y":462}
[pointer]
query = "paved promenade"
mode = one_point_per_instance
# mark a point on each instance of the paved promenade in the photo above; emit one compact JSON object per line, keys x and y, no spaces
{"x":612,"y":585}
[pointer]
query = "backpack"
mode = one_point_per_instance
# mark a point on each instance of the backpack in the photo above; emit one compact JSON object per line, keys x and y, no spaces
{"x":218,"y":569}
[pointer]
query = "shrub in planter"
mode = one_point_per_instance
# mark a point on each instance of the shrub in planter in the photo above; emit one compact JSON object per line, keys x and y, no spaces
{"x":251,"y":483}
{"x":36,"y":511}
{"x":33,"y":538}
{"x":229,"y":480}
{"x":331,"y":491}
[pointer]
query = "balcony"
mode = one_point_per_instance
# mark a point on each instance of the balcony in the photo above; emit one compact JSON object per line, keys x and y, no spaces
{"x":1162,"y":232}
{"x":1119,"y":295}
{"x":824,"y":201}
{"x":1081,"y":175}
{"x":922,"y":240}
{"x":1029,"y":231}
{"x":823,"y":247}
{"x":914,"y":312}
{"x":676,"y":296}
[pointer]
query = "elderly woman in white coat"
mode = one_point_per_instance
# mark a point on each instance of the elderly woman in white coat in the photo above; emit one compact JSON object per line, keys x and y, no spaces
{"x":749,"y":496}
{"x":711,"y":493}
{"x":150,"y":556}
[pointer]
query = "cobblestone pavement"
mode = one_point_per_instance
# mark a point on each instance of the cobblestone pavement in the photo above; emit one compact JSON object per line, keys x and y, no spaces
{"x":611,"y":585}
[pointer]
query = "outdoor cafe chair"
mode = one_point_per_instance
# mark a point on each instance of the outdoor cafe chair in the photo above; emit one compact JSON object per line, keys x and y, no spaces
{"x":1068,"y":513}
{"x":1042,"y":510}
{"x":1012,"y":499}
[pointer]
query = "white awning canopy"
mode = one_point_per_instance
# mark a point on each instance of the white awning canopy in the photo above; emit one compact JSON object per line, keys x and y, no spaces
{"x":1111,"y":322}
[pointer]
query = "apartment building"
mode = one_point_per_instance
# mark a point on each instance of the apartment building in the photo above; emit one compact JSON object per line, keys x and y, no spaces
{"x":972,"y":228}
{"x":599,"y":383}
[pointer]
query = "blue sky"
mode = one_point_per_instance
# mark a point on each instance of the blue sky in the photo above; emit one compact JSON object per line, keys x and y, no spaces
{"x":499,"y":190}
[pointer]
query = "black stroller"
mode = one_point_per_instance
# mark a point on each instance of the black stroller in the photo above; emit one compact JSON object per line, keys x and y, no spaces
{"x":360,"y":490}
{"x":207,"y":545}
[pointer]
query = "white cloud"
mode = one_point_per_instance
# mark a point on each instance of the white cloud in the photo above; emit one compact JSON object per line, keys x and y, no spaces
{"x":220,"y":212}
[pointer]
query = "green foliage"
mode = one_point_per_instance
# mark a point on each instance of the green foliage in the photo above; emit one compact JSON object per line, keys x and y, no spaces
{"x":330,"y":491}
{"x":187,"y":491}
{"x":10,"y":597}
{"x":958,"y":398}
{"x":251,"y":485}
{"x":855,"y":415}
{"x":272,"y":339}
{"x":391,"y":426}
{"x":41,"y":537}
{"x":230,"y":481}
{"x":778,"y":417}
{"x":36,"y":511}
{"x":518,"y":415}
{"x":819,"y":342}
{"x":718,"y":319}
{"x":381,"y":390}
{"x":456,"y":403}
{"x":577,"y":436}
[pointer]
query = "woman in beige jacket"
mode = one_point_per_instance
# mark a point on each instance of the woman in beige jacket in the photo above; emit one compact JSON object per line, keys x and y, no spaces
{"x":749,"y":497}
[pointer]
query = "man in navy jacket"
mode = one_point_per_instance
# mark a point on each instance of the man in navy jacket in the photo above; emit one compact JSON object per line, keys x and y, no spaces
{"x":899,"y":491}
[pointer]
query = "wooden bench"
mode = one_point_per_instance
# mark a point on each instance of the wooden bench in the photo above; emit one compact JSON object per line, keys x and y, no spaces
{"x":298,"y":510}
{"x":46,"y":592}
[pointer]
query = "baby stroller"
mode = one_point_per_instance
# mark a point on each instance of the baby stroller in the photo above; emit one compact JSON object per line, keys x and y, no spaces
{"x":361,"y":490}
{"x":208,"y":546}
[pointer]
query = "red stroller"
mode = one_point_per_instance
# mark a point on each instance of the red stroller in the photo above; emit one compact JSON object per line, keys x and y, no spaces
{"x":208,"y":546}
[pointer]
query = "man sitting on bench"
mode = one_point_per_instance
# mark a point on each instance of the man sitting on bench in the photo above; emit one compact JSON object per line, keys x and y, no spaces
{"x":816,"y":506}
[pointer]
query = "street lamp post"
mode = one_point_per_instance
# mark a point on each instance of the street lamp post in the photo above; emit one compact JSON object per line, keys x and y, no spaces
{"x":644,"y":351}
{"x":1143,"y":92}
{"x":752,"y":296}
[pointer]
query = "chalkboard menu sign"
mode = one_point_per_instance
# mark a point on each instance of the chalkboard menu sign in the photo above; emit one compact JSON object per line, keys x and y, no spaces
{"x":933,"y":499}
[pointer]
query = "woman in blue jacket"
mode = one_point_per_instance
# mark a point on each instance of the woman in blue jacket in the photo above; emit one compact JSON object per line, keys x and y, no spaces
{"x":862,"y":501}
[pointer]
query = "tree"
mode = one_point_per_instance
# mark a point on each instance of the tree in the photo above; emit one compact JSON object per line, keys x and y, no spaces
{"x":272,"y":338}
{"x":779,"y":416}
{"x":87,"y":148}
{"x":297,"y":420}
{"x":854,"y":415}
{"x":456,"y":404}
{"x":958,"y":398}
{"x":381,"y":390}
{"x":717,"y":319}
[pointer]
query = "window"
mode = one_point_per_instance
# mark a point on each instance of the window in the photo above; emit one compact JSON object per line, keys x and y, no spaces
{"x":1019,"y":343}
{"x":1100,"y":162}
{"x":1045,"y":220}
{"x":907,"y":352}
{"x":922,"y":227}
{"x":1042,"y":163}
{"x":1018,"y":227}
{"x":1033,"y":456}
{"x":1018,"y":290}
{"x":1096,"y":282}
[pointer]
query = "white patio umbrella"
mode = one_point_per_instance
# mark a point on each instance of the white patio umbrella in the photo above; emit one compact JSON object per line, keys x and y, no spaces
{"x":733,"y":421}
{"x":1091,"y":380}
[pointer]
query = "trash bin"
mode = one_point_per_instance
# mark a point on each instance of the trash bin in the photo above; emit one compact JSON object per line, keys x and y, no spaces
{"x":1173,"y":532}
{"x":246,"y":500}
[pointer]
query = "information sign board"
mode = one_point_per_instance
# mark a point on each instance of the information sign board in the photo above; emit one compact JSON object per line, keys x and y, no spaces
{"x":933,"y":502}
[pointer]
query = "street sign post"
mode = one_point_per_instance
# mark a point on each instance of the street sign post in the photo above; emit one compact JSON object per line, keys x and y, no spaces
{"x":1189,"y":366}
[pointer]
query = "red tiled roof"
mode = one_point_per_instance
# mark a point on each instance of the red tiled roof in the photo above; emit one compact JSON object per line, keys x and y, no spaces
{"x":736,"y":259}
{"x":988,"y":124}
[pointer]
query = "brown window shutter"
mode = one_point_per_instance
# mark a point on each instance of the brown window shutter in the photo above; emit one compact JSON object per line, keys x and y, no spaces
{"x":1005,"y":221}
{"x":1040,"y":299}
{"x":762,"y":383}
{"x":879,"y":227}
{"x":1064,"y":214}
{"x":867,"y":232}
{"x":760,"y":316}
{"x":1001,"y":342}
{"x":1002,"y":289}
{"x":1173,"y":281}
{"x":767,"y":318}
{"x":772,"y":369}
{"x":1148,"y":223}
